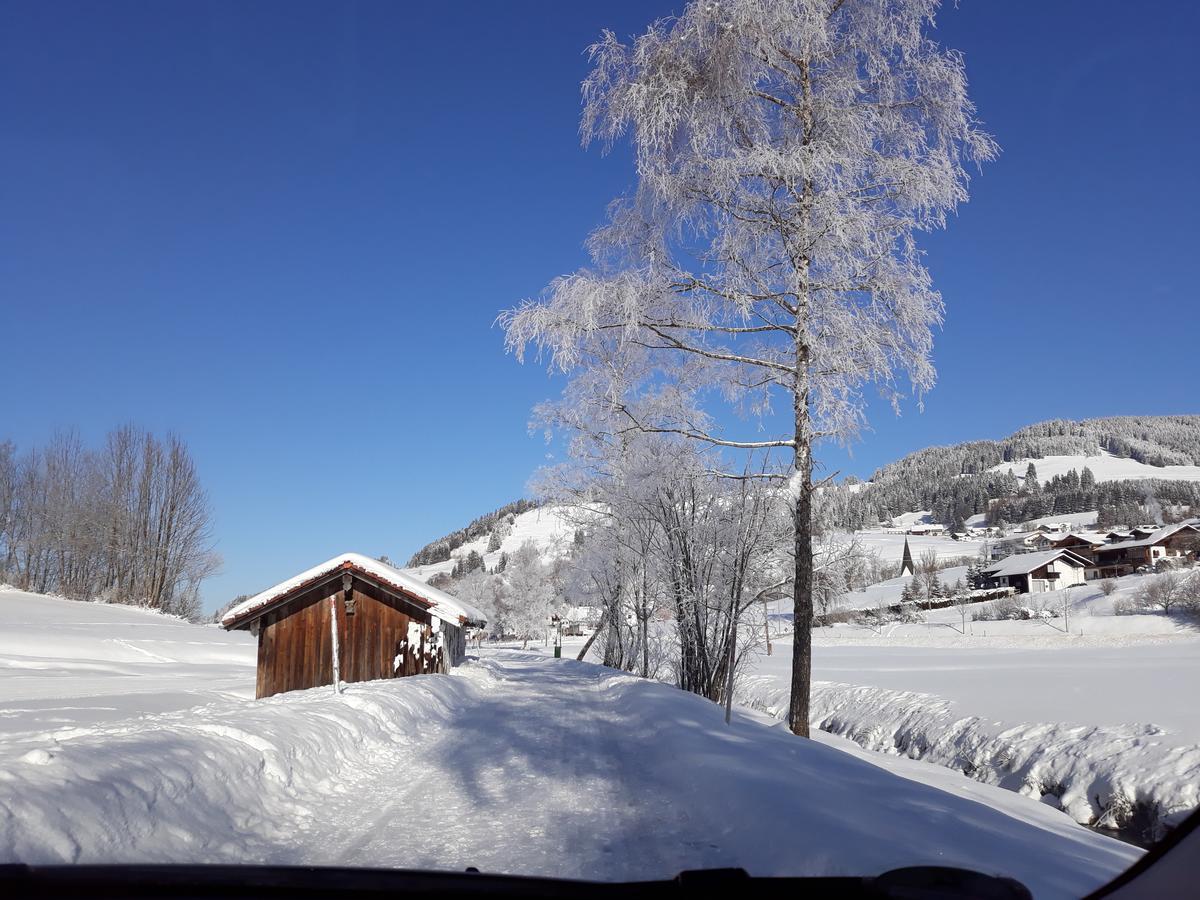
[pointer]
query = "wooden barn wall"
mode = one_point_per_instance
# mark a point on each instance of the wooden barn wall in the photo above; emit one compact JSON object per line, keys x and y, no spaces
{"x":294,"y":644}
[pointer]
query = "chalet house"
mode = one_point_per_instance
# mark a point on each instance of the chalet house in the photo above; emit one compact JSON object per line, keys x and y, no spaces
{"x":580,"y":620}
{"x":1054,"y":527}
{"x":352,"y":618}
{"x":927,"y":528}
{"x":1036,"y":573}
{"x":1174,"y":542}
{"x":1084,"y":545}
{"x":1015,"y":543}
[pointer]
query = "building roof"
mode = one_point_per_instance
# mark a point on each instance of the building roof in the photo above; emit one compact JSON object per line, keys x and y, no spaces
{"x":1094,"y":539}
{"x":441,"y":604}
{"x":1161,"y":534}
{"x":1024,"y":563}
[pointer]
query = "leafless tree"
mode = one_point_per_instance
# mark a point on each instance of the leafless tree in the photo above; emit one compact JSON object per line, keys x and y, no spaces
{"x":130,"y":524}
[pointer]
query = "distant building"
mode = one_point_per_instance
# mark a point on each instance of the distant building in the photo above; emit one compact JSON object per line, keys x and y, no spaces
{"x":1036,"y":573}
{"x":927,"y":528}
{"x":1084,"y":545}
{"x":1172,"y":542}
{"x":580,"y":619}
{"x":1001,"y":548}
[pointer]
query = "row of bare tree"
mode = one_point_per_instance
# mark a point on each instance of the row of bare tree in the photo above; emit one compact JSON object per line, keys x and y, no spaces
{"x":126,"y":523}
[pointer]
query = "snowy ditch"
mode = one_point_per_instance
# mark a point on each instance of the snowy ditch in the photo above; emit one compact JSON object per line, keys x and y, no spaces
{"x":1132,"y":781}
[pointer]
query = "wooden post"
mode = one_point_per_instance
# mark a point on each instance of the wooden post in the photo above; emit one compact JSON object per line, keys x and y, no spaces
{"x":347,"y":586}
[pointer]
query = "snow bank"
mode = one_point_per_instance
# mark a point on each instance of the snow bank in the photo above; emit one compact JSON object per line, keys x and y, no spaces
{"x":1108,"y":776}
{"x":519,"y":764}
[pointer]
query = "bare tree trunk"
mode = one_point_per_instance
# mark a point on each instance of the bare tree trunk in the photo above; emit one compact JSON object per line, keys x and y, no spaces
{"x":587,"y":645}
{"x":802,"y":600}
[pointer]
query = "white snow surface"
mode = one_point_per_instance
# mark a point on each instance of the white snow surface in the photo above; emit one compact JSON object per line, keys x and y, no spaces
{"x":1104,"y":466}
{"x":890,"y":546}
{"x":1101,"y":718}
{"x":516,"y":763}
{"x":443,"y":604}
{"x":66,"y":665}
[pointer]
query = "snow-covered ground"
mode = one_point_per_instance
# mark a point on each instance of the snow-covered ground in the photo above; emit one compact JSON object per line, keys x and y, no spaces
{"x":1102,"y":720}
{"x":516,"y":763}
{"x":69,"y":665}
{"x":890,"y":546}
{"x":1104,"y":466}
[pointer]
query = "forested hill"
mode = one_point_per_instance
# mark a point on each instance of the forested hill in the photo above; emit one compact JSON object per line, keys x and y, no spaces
{"x":956,"y":482}
{"x":440,"y":549}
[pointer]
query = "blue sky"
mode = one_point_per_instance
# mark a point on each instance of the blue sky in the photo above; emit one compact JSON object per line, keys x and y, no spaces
{"x":284,"y":230}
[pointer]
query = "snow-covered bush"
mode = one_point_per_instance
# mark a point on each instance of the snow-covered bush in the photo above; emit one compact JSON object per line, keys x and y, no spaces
{"x":1008,"y":609}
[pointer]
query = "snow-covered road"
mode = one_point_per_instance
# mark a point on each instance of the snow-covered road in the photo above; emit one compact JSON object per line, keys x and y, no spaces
{"x":539,"y":761}
{"x":515,"y":763}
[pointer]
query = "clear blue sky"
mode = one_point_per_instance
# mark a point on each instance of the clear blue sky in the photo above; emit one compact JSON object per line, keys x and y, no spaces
{"x":283,"y":231}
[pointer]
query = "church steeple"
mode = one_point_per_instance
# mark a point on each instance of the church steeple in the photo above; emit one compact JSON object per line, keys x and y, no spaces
{"x":906,"y":563}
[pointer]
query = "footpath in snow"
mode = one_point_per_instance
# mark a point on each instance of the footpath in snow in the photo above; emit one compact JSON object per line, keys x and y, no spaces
{"x":517,"y":763}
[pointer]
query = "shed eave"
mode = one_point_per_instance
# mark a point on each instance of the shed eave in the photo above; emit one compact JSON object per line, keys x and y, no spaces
{"x":247,"y":618}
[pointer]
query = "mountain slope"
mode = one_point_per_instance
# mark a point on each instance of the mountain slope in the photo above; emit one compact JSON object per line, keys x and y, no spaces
{"x":1160,"y":453}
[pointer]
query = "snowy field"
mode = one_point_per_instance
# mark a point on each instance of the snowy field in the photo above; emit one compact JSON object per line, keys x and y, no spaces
{"x":890,"y":547}
{"x":1102,"y":721}
{"x":516,"y":763}
{"x":1104,"y":466}
{"x":69,"y":665}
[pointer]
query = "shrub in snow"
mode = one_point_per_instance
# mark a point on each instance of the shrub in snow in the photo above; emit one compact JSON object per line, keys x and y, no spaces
{"x":1165,"y":592}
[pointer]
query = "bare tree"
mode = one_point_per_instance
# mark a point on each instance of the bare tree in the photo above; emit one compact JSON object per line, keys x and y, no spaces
{"x":130,"y":524}
{"x":787,"y":155}
{"x":1166,"y":591}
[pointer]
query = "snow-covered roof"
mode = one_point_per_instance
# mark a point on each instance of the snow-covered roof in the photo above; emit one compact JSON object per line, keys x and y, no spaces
{"x":1089,"y":538}
{"x":1024,"y":563}
{"x":441,"y":604}
{"x":1164,"y":532}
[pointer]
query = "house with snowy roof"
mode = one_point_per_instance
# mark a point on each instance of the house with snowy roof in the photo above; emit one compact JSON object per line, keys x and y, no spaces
{"x":1082,"y":543}
{"x":1036,"y":573}
{"x":1172,"y":543}
{"x":352,"y":618}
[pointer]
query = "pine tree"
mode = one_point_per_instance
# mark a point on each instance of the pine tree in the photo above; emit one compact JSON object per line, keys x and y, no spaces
{"x":1032,"y":484}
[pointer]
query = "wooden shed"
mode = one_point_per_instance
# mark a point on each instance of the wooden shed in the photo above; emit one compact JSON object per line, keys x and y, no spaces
{"x":388,"y":624}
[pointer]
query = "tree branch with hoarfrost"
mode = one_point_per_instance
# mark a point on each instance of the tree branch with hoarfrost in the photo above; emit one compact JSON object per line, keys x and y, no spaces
{"x":788,"y":152}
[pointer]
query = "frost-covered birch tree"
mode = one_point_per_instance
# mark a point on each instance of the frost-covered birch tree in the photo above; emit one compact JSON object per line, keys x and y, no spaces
{"x":787,"y":153}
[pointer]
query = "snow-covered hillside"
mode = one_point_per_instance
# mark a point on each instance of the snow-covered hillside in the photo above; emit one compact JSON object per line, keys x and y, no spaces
{"x":1104,"y":466}
{"x":516,"y":764}
{"x":67,"y":665}
{"x":547,"y":527}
